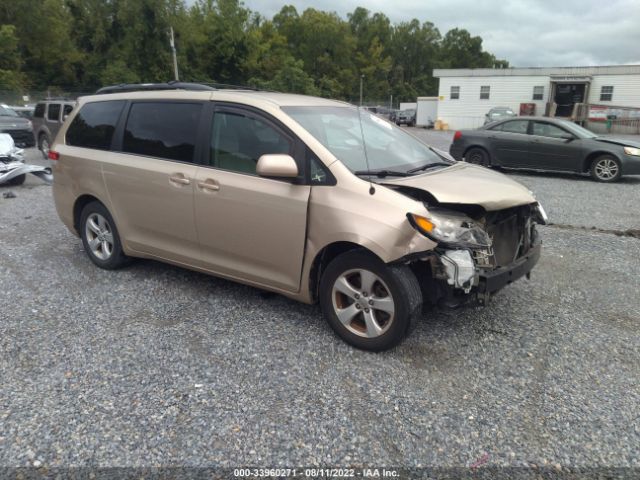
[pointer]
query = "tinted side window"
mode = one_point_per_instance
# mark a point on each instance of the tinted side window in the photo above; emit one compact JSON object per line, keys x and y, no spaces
{"x":544,"y":129}
{"x":94,"y":125}
{"x":53,"y":113}
{"x":515,"y":126}
{"x":162,"y":129}
{"x":238,"y":141}
{"x":39,"y":111}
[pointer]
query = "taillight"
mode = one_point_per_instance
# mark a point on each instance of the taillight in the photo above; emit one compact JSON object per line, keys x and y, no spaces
{"x":53,"y":155}
{"x":457,"y":135}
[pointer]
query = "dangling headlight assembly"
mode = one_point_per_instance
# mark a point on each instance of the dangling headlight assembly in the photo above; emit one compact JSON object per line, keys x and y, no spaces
{"x":450,"y":227}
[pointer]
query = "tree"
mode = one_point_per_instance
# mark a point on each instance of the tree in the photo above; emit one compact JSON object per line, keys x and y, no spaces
{"x":11,"y":77}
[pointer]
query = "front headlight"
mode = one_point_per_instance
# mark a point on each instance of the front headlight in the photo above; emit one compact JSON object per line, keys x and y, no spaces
{"x":541,"y":215}
{"x":445,"y":226}
{"x":632,"y":151}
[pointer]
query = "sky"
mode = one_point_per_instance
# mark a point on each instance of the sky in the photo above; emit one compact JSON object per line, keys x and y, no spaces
{"x":527,"y":33}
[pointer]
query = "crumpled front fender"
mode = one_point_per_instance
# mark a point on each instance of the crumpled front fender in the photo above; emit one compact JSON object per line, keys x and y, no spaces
{"x":17,"y":168}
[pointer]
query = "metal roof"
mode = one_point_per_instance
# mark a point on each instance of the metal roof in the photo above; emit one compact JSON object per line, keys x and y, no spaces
{"x":533,"y":71}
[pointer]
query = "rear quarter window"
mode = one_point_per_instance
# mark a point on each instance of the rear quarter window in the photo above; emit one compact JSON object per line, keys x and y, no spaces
{"x":39,"y":111}
{"x":94,"y":125}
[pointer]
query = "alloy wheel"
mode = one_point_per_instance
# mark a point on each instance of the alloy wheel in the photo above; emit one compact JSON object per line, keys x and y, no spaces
{"x":363,"y":303}
{"x":606,"y":169}
{"x":99,"y":236}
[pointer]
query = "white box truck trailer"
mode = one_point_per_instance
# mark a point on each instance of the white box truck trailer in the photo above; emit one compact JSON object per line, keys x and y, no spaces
{"x":426,"y":111}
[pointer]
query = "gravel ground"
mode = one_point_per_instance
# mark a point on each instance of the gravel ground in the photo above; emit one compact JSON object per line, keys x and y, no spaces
{"x":155,"y":365}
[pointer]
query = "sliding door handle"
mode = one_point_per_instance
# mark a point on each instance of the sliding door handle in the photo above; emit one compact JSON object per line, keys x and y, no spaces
{"x":209,"y":184}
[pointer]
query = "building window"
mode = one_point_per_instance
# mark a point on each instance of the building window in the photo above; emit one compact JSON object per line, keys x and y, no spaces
{"x":606,"y":93}
{"x":455,"y":93}
{"x":484,"y":92}
{"x":538,"y":93}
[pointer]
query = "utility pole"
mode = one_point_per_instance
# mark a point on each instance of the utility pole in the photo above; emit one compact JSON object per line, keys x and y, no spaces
{"x":175,"y":59}
{"x":361,"y":79}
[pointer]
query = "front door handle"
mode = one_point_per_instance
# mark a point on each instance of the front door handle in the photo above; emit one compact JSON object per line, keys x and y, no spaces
{"x":179,"y":179}
{"x":209,"y":184}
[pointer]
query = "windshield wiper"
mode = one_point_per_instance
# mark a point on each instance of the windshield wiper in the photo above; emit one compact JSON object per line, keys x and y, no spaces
{"x":429,"y":166}
{"x":382,"y":173}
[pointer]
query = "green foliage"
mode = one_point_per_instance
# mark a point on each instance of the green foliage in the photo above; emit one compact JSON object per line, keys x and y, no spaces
{"x":10,"y":60}
{"x":85,"y":44}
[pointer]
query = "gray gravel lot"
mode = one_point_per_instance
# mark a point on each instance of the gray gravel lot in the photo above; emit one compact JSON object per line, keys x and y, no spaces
{"x":155,"y":365}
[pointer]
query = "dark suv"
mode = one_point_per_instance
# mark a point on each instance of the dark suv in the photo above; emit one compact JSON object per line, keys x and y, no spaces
{"x":20,"y":128}
{"x":47,"y":120}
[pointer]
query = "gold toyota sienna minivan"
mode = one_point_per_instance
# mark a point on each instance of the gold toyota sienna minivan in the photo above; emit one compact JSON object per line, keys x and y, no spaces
{"x":311,"y":198}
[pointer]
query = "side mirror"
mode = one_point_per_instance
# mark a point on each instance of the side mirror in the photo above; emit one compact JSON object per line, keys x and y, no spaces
{"x":567,"y":136}
{"x":277,"y":165}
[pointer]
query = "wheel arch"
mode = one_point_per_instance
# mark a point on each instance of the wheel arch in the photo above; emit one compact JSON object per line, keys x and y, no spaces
{"x":481,"y":147}
{"x":588,"y":160}
{"x":81,"y":202}
{"x":324,"y":256}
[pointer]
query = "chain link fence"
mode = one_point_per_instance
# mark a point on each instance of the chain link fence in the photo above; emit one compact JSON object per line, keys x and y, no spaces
{"x":31,"y":97}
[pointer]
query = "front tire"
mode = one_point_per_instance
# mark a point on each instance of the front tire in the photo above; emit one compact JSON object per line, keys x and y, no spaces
{"x":478,"y":156}
{"x":606,"y":168}
{"x":367,"y":303}
{"x":100,"y":237}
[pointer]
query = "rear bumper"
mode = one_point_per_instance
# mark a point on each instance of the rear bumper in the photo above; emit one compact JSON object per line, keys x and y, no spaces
{"x":493,"y":280}
{"x":456,"y":151}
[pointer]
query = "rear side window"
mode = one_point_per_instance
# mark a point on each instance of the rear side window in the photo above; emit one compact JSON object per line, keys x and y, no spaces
{"x":162,"y":129}
{"x":53,"y":113}
{"x":39,"y":111}
{"x":514,"y":126}
{"x":94,"y":125}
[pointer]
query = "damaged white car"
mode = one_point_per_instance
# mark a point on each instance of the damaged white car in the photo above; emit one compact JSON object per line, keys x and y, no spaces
{"x":13,"y":170}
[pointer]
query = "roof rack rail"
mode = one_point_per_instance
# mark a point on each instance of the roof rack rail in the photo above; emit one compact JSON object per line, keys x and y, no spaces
{"x":136,"y":87}
{"x":172,"y":85}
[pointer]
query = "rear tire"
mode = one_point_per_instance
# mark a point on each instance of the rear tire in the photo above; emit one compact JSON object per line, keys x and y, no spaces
{"x":478,"y":156}
{"x":19,"y":180}
{"x":606,"y":168}
{"x":100,"y":237}
{"x":367,"y":303}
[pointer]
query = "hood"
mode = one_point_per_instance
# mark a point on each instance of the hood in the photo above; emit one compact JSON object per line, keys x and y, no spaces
{"x":618,"y":141}
{"x":470,"y":185}
{"x":7,"y":122}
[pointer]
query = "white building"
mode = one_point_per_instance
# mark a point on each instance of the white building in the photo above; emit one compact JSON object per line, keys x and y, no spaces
{"x":466,"y":95}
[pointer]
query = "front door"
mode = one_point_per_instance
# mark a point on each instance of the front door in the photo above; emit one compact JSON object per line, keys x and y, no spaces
{"x":550,"y":150}
{"x":249,"y":227}
{"x":566,"y":96}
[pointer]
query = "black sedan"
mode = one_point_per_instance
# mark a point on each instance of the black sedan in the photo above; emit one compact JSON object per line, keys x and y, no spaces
{"x":548,"y":144}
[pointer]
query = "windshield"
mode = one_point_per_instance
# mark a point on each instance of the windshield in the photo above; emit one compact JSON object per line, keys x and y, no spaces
{"x":387,"y":146}
{"x":581,"y":132}
{"x":7,"y":112}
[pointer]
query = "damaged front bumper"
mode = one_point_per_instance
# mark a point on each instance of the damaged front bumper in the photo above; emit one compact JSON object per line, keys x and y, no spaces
{"x":12,"y":170}
{"x":490,"y":281}
{"x":462,"y":273}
